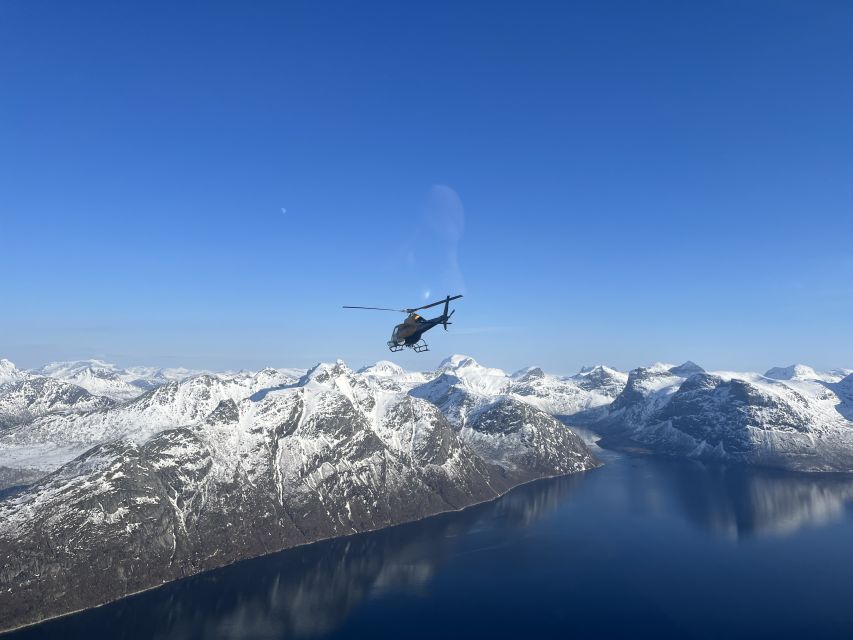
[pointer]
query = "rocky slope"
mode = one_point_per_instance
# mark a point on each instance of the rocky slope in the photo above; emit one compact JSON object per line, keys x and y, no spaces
{"x":797,"y":419}
{"x":22,"y":401}
{"x":25,"y":397}
{"x":202,"y":472}
{"x":509,"y":419}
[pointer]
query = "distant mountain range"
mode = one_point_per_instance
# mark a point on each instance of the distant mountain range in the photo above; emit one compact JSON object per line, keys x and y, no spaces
{"x":117,"y":480}
{"x":792,"y":417}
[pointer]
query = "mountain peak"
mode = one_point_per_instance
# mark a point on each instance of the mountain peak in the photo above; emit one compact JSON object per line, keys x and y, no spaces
{"x":686,"y":369}
{"x":597,"y":369}
{"x":9,"y":372}
{"x":457,"y":361}
{"x":323,"y":372}
{"x":383,"y":368}
{"x":792,"y":372}
{"x":528,"y":373}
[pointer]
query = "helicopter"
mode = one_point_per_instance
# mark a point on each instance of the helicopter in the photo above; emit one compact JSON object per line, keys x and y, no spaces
{"x":410,"y":332}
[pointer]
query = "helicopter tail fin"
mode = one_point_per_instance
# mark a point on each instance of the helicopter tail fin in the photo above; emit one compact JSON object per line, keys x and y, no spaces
{"x":447,"y":319}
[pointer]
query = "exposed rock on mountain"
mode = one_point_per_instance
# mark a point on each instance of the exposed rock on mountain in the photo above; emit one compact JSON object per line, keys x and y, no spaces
{"x":22,"y":401}
{"x":526,"y":440}
{"x":501,"y":417}
{"x":796,"y":423}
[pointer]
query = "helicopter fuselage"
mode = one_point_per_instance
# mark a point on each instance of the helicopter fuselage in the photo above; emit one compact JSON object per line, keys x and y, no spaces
{"x":410,"y":331}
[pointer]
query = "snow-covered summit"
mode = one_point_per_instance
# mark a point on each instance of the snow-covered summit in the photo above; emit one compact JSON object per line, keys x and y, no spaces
{"x":528,"y":373}
{"x":793,"y":372}
{"x":474,"y":376}
{"x":457,"y":361}
{"x":325,"y":372}
{"x":600,"y":372}
{"x":391,"y":376}
{"x":383,"y":368}
{"x":9,"y":373}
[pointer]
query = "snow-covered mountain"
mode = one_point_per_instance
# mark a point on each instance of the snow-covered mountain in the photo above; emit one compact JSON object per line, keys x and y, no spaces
{"x":805,"y":372}
{"x":106,"y":379}
{"x":793,"y":372}
{"x":9,"y":373}
{"x":204,"y":471}
{"x":463,"y":387}
{"x":392,"y":377}
{"x":586,"y":393}
{"x":35,"y":396}
{"x":48,"y":441}
{"x":795,"y":419}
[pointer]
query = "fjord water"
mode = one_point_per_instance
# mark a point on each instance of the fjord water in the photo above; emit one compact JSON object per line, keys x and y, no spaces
{"x":642,"y":547}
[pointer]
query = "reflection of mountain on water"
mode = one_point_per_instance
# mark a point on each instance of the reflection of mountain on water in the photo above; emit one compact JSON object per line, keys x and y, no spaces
{"x":527,"y":504}
{"x":309,"y":591}
{"x":742,"y":501}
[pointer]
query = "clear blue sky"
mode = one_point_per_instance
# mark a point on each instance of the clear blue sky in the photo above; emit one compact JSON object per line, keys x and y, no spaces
{"x":617,"y":182}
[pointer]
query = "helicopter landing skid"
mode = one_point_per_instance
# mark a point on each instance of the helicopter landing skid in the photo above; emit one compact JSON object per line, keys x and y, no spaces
{"x":420,"y":347}
{"x":393,"y":346}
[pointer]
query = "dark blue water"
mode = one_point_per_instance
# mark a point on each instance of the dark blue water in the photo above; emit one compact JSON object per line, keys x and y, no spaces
{"x":642,"y":548}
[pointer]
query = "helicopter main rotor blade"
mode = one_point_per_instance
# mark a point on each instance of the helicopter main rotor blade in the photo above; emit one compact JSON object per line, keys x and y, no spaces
{"x":378,"y":309}
{"x":433,"y":304}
